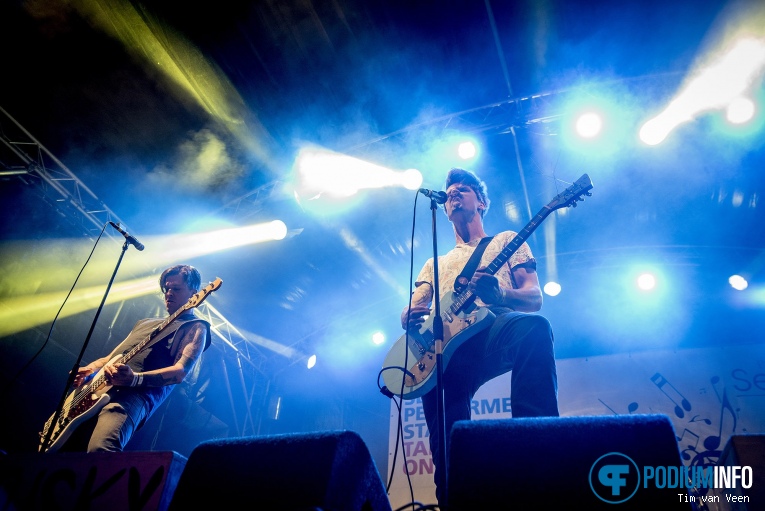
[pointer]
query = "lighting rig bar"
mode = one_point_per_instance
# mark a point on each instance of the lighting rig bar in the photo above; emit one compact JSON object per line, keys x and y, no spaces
{"x":37,"y":166}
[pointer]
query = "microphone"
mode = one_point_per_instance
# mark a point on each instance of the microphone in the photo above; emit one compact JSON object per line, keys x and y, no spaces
{"x":439,"y":197}
{"x":130,"y":239}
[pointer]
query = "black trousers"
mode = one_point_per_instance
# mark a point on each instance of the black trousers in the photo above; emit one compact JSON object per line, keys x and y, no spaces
{"x":517,"y":342}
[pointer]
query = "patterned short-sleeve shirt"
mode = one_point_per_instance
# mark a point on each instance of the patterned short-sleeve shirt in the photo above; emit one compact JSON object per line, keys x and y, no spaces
{"x":451,"y":265}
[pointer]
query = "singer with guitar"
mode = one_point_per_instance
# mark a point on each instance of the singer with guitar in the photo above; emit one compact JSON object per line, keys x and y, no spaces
{"x":136,"y":384}
{"x":515,"y":338}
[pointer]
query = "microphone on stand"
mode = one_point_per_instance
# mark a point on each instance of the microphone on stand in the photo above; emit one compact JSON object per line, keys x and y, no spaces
{"x":439,"y":197}
{"x":130,"y":239}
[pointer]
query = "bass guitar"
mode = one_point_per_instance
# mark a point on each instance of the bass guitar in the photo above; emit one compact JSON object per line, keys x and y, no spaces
{"x":86,"y":401}
{"x":409,"y":366}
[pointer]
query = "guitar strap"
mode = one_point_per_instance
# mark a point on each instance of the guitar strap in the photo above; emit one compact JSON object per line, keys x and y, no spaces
{"x":146,"y":327}
{"x":463,"y":278}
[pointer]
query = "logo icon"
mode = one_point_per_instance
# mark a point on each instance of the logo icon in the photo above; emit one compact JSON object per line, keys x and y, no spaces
{"x":614,"y":478}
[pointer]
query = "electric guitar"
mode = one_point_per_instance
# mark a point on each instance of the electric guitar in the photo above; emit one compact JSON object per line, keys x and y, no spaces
{"x":86,"y":401}
{"x":409,"y":366}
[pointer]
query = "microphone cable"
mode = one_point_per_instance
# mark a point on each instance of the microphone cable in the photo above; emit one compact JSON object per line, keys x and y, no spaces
{"x":52,"y":325}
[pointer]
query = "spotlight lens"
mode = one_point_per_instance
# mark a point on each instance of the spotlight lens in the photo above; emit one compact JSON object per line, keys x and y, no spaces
{"x":411,"y":179}
{"x":738,"y":282}
{"x":552,"y":288}
{"x":740,"y":110}
{"x":646,"y":282}
{"x":589,"y":125}
{"x":278,"y":230}
{"x":466,"y":150}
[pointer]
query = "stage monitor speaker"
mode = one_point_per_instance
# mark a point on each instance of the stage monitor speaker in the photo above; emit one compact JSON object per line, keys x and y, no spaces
{"x":328,"y":470}
{"x":743,"y":451}
{"x":562,"y":463}
{"x":115,"y":481}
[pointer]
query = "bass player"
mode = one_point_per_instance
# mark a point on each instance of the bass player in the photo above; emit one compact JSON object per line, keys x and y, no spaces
{"x":141,"y":385}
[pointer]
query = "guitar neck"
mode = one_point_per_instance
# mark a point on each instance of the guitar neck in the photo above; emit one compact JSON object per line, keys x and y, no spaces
{"x":517,"y":241}
{"x":467,"y":297}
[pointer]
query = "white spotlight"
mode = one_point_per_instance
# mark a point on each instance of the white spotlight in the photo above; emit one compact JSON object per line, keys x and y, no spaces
{"x":411,"y":179}
{"x":466,"y":150}
{"x":716,"y":86}
{"x":322,"y":172}
{"x":552,"y":288}
{"x":589,"y":125}
{"x":740,"y":110}
{"x":378,"y":338}
{"x":646,"y":282}
{"x":738,"y":282}
{"x":277,"y":230}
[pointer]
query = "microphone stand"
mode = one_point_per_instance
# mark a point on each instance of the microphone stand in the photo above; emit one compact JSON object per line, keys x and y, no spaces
{"x":438,"y":338}
{"x":73,"y":373}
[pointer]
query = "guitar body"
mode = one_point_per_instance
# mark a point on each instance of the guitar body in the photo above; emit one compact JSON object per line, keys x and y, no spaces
{"x":80,"y":405}
{"x":419,"y":356}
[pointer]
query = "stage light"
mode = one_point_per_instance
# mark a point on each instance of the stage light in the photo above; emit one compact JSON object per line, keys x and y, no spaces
{"x":588,"y":125}
{"x":714,"y":87}
{"x":738,"y":282}
{"x":378,"y":338}
{"x":184,"y":246}
{"x":466,"y":150}
{"x":311,"y":362}
{"x":24,"y":312}
{"x":54,"y":263}
{"x":552,"y":289}
{"x":646,"y":281}
{"x":411,"y":179}
{"x":320,"y":172}
{"x":740,"y":110}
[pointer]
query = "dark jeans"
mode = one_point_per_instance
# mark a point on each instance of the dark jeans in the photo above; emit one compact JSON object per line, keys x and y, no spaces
{"x":114,"y":426}
{"x":517,"y":342}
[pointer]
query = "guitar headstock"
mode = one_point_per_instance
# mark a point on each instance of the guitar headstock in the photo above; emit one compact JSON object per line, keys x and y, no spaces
{"x":573,"y":194}
{"x":202,"y":294}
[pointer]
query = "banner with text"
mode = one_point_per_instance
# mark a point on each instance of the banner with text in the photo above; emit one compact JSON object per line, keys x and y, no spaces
{"x":709,"y":394}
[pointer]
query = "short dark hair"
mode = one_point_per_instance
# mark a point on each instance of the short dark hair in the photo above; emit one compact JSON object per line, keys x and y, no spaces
{"x":190,"y":275}
{"x":458,"y":175}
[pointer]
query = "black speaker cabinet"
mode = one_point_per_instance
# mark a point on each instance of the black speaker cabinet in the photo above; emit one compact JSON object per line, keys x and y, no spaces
{"x":308,"y":471}
{"x":98,"y":481}
{"x":564,"y":463}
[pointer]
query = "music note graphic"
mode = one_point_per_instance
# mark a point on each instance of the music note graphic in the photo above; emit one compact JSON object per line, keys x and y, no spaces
{"x":713,"y":442}
{"x":631,"y":408}
{"x":696,"y":418}
{"x":692,"y":445}
{"x":677,"y":398}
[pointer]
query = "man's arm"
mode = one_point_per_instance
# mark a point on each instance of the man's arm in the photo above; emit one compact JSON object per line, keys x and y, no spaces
{"x":526,"y":298}
{"x":191,"y":347}
{"x":420,"y":307}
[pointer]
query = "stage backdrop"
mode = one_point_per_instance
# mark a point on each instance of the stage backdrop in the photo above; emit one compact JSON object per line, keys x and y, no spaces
{"x":709,"y":394}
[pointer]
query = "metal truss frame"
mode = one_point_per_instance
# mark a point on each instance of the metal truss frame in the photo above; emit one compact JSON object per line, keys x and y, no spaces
{"x":27,"y":159}
{"x":36,"y":165}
